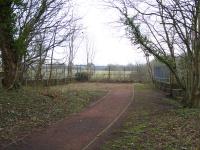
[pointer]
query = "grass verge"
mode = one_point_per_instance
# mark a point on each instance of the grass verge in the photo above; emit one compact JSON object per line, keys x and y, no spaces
{"x":30,"y":109}
{"x":155,"y":122}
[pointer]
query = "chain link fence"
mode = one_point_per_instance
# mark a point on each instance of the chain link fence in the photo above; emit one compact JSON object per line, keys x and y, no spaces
{"x":59,"y":74}
{"x":97,"y":73}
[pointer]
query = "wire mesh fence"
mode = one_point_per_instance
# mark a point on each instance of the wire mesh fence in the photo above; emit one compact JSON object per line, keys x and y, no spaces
{"x":53,"y":74}
{"x":60,"y":73}
{"x":162,"y":74}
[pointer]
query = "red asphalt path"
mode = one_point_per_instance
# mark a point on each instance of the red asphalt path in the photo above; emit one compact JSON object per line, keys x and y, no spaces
{"x":79,"y":130}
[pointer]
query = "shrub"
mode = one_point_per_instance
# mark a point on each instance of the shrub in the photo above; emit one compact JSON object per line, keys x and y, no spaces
{"x":82,"y":76}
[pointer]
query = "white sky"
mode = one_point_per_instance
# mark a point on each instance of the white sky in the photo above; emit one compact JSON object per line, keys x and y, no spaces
{"x":110,"y":47}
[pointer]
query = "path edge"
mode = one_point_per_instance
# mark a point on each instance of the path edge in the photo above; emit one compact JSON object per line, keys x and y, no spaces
{"x":112,"y":123}
{"x":73,"y":114}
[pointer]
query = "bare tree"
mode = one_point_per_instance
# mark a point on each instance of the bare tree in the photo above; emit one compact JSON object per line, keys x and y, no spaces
{"x":90,"y":55}
{"x":168,"y":30}
{"x":52,"y":56}
{"x":42,"y":51}
{"x":149,"y":68}
{"x":74,"y":42}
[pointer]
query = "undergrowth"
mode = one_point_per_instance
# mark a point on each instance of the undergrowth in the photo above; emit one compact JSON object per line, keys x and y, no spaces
{"x":30,"y":109}
{"x":155,"y":122}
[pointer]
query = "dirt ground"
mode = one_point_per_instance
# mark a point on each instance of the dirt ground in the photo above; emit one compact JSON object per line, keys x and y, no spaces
{"x":81,"y":130}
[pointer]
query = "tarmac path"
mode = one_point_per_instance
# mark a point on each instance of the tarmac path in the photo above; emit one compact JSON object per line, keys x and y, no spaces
{"x":81,"y":130}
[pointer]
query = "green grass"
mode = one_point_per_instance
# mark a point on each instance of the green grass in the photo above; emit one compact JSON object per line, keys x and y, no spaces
{"x":155,"y":122}
{"x":27,"y":109}
{"x":142,"y":87}
{"x":99,"y":74}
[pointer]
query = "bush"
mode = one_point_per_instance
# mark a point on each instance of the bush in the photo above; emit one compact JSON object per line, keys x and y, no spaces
{"x":82,"y":76}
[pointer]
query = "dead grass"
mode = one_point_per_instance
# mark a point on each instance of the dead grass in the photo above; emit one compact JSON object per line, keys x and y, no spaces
{"x":28,"y":109}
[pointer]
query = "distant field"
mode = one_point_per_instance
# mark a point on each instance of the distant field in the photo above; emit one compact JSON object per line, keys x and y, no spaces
{"x":98,"y":75}
{"x":113,"y":75}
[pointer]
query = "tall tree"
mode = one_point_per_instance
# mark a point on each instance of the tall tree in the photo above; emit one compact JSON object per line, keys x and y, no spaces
{"x":73,"y":43}
{"x":168,"y":30}
{"x":20,"y":23}
{"x":9,"y":51}
{"x":90,"y":54}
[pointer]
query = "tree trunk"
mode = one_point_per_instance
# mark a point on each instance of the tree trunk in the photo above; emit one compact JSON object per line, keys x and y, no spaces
{"x":172,"y":83}
{"x":69,"y":70}
{"x":192,"y":98}
{"x":7,"y":46}
{"x":38,"y":75}
{"x":10,"y":68}
{"x":150,"y":69}
{"x":51,"y":68}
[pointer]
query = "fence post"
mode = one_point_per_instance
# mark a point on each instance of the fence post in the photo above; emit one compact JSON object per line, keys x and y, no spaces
{"x":124,"y":72}
{"x":45,"y":74}
{"x":109,"y":74}
{"x":77,"y":69}
{"x":56,"y":77}
{"x":64,"y":74}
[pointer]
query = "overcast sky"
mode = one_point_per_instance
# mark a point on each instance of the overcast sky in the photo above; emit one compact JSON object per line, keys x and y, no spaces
{"x":109,"y":44}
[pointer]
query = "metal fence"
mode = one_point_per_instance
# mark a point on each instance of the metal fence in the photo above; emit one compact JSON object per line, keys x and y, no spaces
{"x":98,"y":73}
{"x":161,"y":73}
{"x":60,"y":74}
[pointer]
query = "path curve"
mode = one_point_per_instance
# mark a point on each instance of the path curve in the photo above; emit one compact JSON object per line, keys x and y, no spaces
{"x":79,"y":131}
